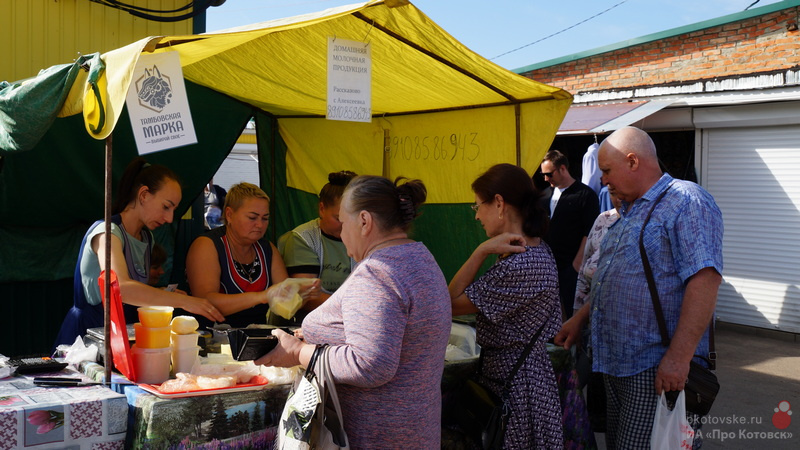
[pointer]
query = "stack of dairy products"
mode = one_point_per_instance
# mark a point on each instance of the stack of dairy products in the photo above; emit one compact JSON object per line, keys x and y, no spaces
{"x":184,"y":338}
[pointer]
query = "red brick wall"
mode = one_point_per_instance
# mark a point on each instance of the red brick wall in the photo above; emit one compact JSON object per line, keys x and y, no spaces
{"x":758,"y":44}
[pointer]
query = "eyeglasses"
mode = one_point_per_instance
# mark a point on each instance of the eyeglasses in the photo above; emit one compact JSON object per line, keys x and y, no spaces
{"x":547,"y":174}
{"x":476,"y":206}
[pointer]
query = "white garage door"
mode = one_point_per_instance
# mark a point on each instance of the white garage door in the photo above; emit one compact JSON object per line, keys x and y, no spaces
{"x":754,"y":175}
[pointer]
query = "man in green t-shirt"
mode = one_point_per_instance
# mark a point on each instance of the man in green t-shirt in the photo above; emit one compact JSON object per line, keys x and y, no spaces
{"x":315,"y":249}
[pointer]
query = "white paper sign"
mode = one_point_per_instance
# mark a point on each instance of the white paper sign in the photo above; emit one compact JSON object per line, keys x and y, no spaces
{"x":349,"y":80}
{"x":157,"y":104}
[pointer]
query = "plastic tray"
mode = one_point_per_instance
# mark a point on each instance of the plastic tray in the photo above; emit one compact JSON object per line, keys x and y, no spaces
{"x":242,"y":387}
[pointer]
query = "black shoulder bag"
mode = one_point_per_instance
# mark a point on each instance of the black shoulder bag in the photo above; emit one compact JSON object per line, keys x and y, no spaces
{"x":481,"y":413}
{"x":702,"y":386}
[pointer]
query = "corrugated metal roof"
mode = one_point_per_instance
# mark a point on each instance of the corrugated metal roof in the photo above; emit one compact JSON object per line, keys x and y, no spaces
{"x":582,"y":118}
{"x":755,"y":12}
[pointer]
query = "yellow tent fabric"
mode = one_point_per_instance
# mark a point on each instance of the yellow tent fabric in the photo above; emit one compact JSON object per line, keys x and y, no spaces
{"x":446,"y":113}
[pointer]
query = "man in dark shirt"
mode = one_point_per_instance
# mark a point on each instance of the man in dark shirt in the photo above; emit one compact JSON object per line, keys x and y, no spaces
{"x":573,"y":209}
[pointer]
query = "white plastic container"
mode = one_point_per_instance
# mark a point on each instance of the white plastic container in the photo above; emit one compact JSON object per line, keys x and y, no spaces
{"x":183,"y":359}
{"x":151,"y":364}
{"x":181,"y":341}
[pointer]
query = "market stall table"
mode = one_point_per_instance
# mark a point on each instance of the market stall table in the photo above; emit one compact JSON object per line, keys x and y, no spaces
{"x":248,"y":418}
{"x":86,"y":417}
{"x":240,"y":417}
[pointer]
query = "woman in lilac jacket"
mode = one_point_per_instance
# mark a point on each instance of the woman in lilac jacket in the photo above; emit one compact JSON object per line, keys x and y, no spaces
{"x":387,"y":325}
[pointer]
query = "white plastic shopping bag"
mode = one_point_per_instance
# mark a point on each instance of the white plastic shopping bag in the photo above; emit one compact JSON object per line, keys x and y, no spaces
{"x":294,"y":428}
{"x":671,"y":430}
{"x":312,"y":416}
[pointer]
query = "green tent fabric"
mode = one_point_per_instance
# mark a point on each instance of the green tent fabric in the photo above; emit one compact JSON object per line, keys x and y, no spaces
{"x":28,"y":109}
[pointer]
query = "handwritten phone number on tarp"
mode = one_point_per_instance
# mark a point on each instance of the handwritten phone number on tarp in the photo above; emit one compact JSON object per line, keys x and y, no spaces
{"x":358,"y":113}
{"x":463,"y":147}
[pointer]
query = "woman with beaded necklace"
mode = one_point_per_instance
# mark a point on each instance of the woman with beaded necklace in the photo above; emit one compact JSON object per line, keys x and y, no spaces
{"x":233,"y":265}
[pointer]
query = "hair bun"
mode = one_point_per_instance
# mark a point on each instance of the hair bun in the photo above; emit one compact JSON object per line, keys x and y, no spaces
{"x":407,"y":209}
{"x":410,"y":194}
{"x":341,"y":178}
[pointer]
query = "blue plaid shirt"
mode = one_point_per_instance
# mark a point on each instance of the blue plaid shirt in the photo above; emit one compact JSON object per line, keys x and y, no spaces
{"x":683,"y":236}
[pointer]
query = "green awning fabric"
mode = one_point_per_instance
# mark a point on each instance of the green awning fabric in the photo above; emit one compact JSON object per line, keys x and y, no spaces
{"x":28,"y":108}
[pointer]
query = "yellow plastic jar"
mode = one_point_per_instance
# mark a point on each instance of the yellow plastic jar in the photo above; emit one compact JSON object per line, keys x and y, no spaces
{"x":155,"y":316}
{"x":147,"y":337}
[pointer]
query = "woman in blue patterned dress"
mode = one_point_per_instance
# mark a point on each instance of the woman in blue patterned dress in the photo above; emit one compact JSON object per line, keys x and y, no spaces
{"x":513,"y":299}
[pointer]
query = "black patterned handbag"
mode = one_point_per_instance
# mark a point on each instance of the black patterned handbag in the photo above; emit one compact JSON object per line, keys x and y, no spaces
{"x":480,"y":412}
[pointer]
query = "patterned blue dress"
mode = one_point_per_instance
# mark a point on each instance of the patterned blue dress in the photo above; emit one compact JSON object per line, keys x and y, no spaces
{"x":514,"y":298}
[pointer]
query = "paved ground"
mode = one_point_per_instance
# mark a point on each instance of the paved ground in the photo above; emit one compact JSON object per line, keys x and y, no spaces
{"x":757,"y":370}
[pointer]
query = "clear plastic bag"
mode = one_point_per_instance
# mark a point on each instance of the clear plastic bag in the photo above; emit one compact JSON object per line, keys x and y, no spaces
{"x":187,"y":382}
{"x":462,"y":343}
{"x":284,"y":298}
{"x":78,"y":352}
{"x":242,"y":372}
{"x":5,"y":369}
{"x":281,"y":375}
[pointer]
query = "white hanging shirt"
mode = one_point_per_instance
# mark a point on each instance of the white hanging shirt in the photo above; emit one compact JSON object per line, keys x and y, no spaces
{"x":554,"y":199}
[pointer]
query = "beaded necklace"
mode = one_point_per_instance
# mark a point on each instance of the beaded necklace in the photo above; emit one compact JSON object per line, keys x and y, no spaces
{"x":245,"y":270}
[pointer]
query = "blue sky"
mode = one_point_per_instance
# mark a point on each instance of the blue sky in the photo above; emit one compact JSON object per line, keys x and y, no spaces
{"x":492,"y":28}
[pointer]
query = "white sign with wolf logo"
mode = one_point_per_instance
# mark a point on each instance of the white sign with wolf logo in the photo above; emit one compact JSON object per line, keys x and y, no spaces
{"x":157,"y":104}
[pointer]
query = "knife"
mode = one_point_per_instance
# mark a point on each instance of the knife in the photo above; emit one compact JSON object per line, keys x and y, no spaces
{"x":62,"y":382}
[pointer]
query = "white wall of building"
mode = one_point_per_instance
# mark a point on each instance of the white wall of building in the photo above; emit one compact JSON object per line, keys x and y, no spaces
{"x":240,"y":165}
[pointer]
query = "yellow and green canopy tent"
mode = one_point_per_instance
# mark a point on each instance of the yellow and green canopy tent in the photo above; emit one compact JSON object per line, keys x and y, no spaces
{"x":441,"y":113}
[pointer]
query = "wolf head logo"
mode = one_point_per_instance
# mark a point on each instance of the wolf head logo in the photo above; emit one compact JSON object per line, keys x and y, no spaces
{"x":154,"y":89}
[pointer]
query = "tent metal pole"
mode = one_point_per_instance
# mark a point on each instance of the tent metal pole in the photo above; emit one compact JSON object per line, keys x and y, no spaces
{"x":107,"y":358}
{"x":386,"y":152}
{"x":273,"y":155}
{"x":517,"y":119}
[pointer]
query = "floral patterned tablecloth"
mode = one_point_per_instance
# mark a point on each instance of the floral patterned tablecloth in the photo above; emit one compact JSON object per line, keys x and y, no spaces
{"x":88,"y":417}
